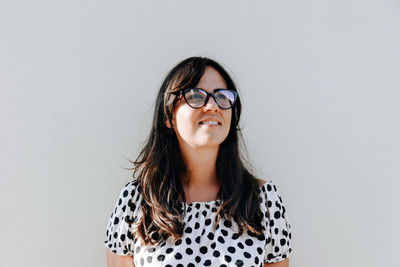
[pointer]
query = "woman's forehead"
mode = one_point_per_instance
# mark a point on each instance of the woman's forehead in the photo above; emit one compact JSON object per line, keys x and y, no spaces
{"x":211,"y":80}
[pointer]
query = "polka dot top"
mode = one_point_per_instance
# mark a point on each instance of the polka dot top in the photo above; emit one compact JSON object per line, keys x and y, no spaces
{"x":203,"y":244}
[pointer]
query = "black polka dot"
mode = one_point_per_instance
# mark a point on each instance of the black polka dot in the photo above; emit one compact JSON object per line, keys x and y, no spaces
{"x":188,"y":241}
{"x":269,"y":188}
{"x":228,"y":258}
{"x":160,"y":257}
{"x":189,"y":251}
{"x":239,"y":263}
{"x":249,"y":242}
{"x":131,"y":205}
{"x":231,"y":250}
{"x":216,"y":253}
{"x":240,"y":245}
{"x":208,"y":222}
{"x":285,"y":233}
{"x":178,"y":256}
{"x":188,"y":230}
{"x":155,"y":236}
{"x":277,"y":214}
{"x":227,"y":224}
{"x":283,"y":241}
{"x":210,"y":236}
{"x":261,"y":237}
{"x":125,"y":194}
{"x":129,"y":235}
{"x":247,"y":255}
{"x":203,"y":250}
{"x":169,"y":250}
{"x":197,"y":259}
{"x":207,"y":263}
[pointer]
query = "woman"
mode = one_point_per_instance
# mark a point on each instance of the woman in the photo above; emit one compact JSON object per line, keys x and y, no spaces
{"x":192,"y":201}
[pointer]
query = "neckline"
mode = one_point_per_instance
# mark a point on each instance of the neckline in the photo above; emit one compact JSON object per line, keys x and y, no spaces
{"x":213,"y":201}
{"x":201,"y":202}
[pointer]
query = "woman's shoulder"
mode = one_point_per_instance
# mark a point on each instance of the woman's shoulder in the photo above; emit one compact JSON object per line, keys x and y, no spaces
{"x":129,"y":194}
{"x":129,"y":188}
{"x":263,"y":183}
{"x":260,"y":182}
{"x":269,"y":191}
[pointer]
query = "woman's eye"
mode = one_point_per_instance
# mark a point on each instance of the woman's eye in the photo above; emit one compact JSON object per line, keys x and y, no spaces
{"x":221,"y":96}
{"x":195,"y":97}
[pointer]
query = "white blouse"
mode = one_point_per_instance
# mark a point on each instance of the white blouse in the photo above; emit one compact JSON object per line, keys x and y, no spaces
{"x":202,"y":243}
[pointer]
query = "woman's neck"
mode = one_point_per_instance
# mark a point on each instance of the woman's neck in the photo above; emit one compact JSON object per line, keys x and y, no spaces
{"x":200,"y":182}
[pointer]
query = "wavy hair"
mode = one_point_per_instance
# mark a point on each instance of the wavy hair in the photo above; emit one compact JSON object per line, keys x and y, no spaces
{"x":159,"y":167}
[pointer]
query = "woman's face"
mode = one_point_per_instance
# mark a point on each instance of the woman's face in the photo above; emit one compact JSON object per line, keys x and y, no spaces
{"x":188,"y":122}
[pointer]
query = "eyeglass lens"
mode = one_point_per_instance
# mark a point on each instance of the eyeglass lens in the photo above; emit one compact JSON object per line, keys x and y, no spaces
{"x":196,"y":97}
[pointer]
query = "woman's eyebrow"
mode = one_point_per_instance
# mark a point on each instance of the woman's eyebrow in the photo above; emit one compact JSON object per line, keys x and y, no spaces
{"x":212,"y":90}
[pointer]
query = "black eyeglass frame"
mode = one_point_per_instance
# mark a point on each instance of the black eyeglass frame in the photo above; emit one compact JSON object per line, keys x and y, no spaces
{"x":183,"y":92}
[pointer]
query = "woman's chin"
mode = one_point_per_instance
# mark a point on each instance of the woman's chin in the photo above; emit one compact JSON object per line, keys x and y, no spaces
{"x":208,"y":143}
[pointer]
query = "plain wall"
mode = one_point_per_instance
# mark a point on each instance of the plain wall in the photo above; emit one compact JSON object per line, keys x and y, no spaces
{"x":319,"y":83}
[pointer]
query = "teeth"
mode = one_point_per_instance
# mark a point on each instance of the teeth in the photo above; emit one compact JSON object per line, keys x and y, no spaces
{"x":209,"y":122}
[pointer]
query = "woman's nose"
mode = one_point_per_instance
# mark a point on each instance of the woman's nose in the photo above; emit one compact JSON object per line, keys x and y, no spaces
{"x":211,"y":104}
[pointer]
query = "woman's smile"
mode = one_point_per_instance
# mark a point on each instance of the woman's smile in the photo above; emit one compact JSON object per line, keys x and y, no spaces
{"x":209,"y":123}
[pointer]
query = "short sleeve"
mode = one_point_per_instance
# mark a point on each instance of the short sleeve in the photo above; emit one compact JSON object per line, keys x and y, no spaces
{"x":277,"y":227}
{"x":120,"y":232}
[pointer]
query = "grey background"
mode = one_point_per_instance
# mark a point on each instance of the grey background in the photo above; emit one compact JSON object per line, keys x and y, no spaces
{"x":319,"y":81}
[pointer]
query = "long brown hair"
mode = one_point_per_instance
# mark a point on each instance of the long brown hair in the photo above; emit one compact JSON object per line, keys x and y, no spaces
{"x":159,"y":166}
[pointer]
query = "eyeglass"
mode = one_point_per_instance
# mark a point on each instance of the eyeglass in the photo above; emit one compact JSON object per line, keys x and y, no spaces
{"x":197,"y":97}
